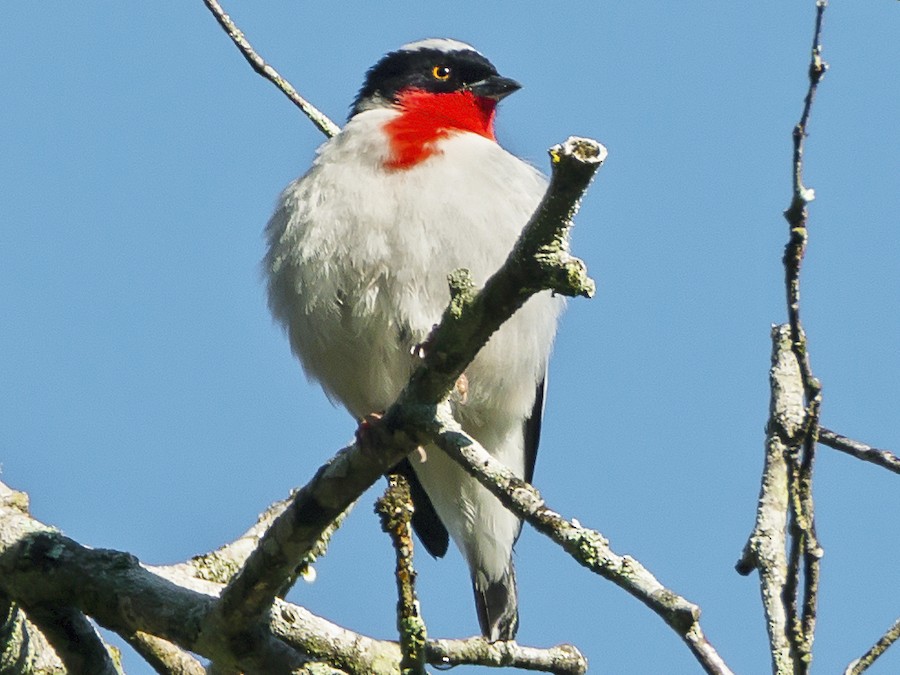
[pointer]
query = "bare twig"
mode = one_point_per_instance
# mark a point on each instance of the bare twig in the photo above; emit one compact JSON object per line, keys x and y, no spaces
{"x":395,"y":509}
{"x":588,"y":547}
{"x":43,"y":567}
{"x":561,"y":660}
{"x":863,"y":662}
{"x":805,"y":551}
{"x":797,"y":213}
{"x":883,"y":458}
{"x":316,"y":116}
{"x":223,"y":563}
{"x":40,"y":567}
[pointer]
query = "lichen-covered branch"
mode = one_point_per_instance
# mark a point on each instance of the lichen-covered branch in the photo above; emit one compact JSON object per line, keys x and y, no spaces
{"x":466,"y":326}
{"x":561,"y":660}
{"x":765,"y":550}
{"x":395,"y":510}
{"x":316,"y":116}
{"x":163,"y":656}
{"x":883,"y":458}
{"x":232,"y":631}
{"x":175,"y":604}
{"x":862,"y":664}
{"x":588,"y":547}
{"x":223,"y":563}
{"x":23,"y":649}
{"x":797,"y":213}
{"x":74,"y":639}
{"x":40,"y":567}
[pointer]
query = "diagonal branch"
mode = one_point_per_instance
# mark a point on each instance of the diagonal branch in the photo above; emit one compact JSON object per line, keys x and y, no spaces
{"x":540,"y":260}
{"x":223,"y":563}
{"x":588,"y":547}
{"x":42,"y":567}
{"x":863,"y":662}
{"x":561,"y":660}
{"x":163,"y":656}
{"x":23,"y":648}
{"x":316,"y":116}
{"x":883,"y":458}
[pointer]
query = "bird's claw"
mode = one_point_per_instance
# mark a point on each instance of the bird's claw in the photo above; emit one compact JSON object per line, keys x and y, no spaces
{"x":366,"y":430}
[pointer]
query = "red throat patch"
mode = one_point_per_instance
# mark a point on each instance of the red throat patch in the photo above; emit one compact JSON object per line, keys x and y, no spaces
{"x":426,"y":118}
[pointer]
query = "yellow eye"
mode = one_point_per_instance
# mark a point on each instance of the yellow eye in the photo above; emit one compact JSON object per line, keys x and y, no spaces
{"x":441,"y":73}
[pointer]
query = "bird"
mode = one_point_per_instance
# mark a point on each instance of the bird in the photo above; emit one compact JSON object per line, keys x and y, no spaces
{"x":359,"y":248}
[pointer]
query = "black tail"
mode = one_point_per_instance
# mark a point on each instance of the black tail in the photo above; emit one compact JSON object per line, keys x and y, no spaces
{"x":498,"y":606}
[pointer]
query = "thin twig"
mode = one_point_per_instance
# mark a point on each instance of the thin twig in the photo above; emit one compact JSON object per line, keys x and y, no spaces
{"x":466,"y":326}
{"x":561,"y":660}
{"x":395,"y":509}
{"x":43,"y":567}
{"x":863,"y":662}
{"x":804,"y":546}
{"x":363,"y":655}
{"x":588,"y":547}
{"x":223,"y":563}
{"x":316,"y":116}
{"x":883,"y":458}
{"x":797,"y":213}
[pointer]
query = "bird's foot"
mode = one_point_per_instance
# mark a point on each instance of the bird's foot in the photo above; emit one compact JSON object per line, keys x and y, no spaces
{"x":365,"y":432}
{"x":369,"y":428}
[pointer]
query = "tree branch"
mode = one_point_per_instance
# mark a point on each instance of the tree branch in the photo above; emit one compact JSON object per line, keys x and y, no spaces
{"x":316,"y":116}
{"x":176,"y":604}
{"x":39,"y":566}
{"x":23,"y":648}
{"x":883,"y":458}
{"x":804,"y":546}
{"x":863,"y":662}
{"x":797,"y":213}
{"x":164,"y":657}
{"x":765,"y":550}
{"x":395,"y":510}
{"x":73,"y":639}
{"x":540,"y":260}
{"x":588,"y":547}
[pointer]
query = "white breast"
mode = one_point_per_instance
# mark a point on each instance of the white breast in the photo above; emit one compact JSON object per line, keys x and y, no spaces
{"x":358,"y":261}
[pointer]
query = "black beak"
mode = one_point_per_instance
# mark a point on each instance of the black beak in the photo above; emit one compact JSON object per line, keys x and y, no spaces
{"x":495,"y":87}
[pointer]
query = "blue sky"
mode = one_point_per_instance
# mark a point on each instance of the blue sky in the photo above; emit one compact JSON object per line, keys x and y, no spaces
{"x":148,"y":403}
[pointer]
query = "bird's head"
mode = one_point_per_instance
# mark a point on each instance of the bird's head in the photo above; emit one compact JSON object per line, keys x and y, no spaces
{"x":439,"y":86}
